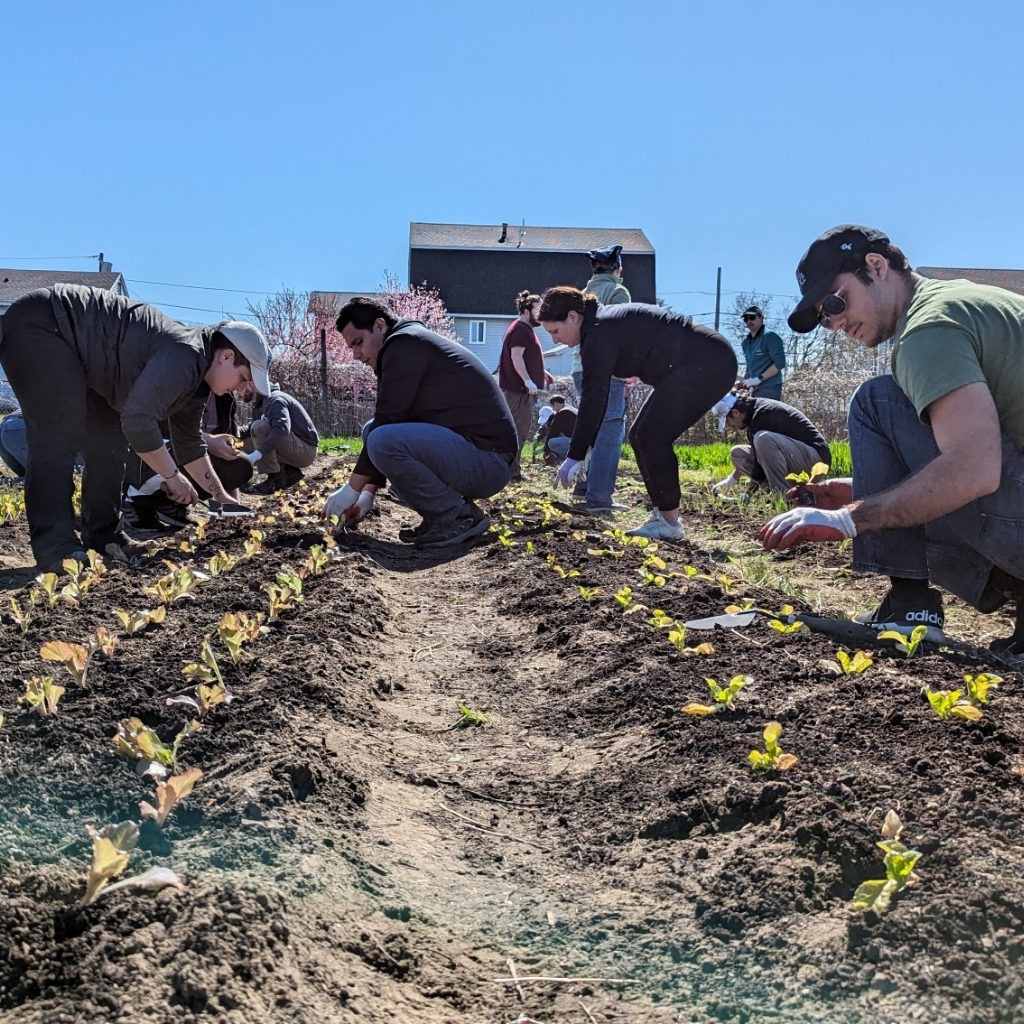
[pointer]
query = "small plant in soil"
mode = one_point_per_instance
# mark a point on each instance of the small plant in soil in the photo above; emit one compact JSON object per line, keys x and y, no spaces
{"x":950,"y":704}
{"x":177,"y":585}
{"x":877,"y":894}
{"x":137,"y":741}
{"x":785,"y":627}
{"x":605,"y":553}
{"x":203,"y":698}
{"x":10,"y":507}
{"x":978,"y":687}
{"x":237,"y":628}
{"x":504,"y":535}
{"x":677,"y":637}
{"x":288,"y":577}
{"x":206,"y":670}
{"x":82,"y":577}
{"x":772,"y":758}
{"x":74,"y":657}
{"x":723,"y":696}
{"x":42,"y":694}
{"x":282,"y":599}
{"x":906,"y":645}
{"x":818,"y":472}
{"x":111,"y":848}
{"x":848,"y":665}
{"x":471,"y":717}
{"x":590,"y":593}
{"x":563,"y":574}
{"x":317,"y":561}
{"x":47,"y":583}
{"x":22,"y":618}
{"x":169,"y":794}
{"x":624,"y":596}
{"x":254,"y":545}
{"x":221,"y":563}
{"x":136,"y":622}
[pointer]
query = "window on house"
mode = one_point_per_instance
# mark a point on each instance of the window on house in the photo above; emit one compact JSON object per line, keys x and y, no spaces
{"x":477,"y":332}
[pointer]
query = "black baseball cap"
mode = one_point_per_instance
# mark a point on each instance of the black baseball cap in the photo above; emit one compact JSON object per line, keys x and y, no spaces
{"x":609,"y":256}
{"x":822,"y":264}
{"x":753,"y":311}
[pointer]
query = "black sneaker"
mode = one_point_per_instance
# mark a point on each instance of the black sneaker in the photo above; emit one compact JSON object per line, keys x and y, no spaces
{"x":464,"y":528}
{"x":290,"y":476}
{"x":905,"y":616}
{"x":470,"y":510}
{"x":1008,"y":647}
{"x":172,"y":515}
{"x":409,"y":533}
{"x":142,"y":510}
{"x":57,"y":566}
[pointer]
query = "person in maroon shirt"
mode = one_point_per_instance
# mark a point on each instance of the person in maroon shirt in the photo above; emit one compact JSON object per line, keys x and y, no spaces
{"x":520,"y":367}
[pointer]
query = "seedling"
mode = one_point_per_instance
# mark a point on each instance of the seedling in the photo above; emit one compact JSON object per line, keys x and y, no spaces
{"x":137,"y":741}
{"x":74,"y":657}
{"x":42,"y":693}
{"x":288,"y":577}
{"x":111,"y":848}
{"x":282,"y":599}
{"x":82,"y":577}
{"x":471,"y":717}
{"x":48,"y":585}
{"x":723,"y":696}
{"x":818,"y":472}
{"x":318,"y":560}
{"x":677,"y":637}
{"x":23,"y":619}
{"x":727,"y":583}
{"x":605,"y":553}
{"x":590,"y":593}
{"x":785,"y":627}
{"x":221,"y":563}
{"x":169,"y":794}
{"x":504,"y":535}
{"x":660,"y":619}
{"x":10,"y":507}
{"x":177,"y":585}
{"x":845,"y":665}
{"x":236,"y":629}
{"x":186,"y":730}
{"x":877,"y":894}
{"x":562,"y":573}
{"x":205,"y":698}
{"x":625,"y":596}
{"x":206,"y":670}
{"x":254,"y":545}
{"x":907,"y":645}
{"x":947,"y":703}
{"x":651,"y":579}
{"x":978,"y":687}
{"x":136,"y":622}
{"x":773,"y":757}
{"x":199,"y":531}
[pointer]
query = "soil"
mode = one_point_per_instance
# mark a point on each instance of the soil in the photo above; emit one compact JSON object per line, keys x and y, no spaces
{"x":355,"y":851}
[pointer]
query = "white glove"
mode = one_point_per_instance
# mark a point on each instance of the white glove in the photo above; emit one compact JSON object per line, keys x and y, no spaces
{"x":725,"y":485}
{"x":255,"y":456}
{"x":530,"y":386}
{"x":807,"y":524}
{"x":364,"y":503}
{"x":752,"y":382}
{"x":343,"y":498}
{"x":567,"y":473}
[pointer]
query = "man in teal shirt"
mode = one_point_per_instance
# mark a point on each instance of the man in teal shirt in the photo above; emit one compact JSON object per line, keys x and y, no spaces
{"x":937,"y":493}
{"x":765,"y":356}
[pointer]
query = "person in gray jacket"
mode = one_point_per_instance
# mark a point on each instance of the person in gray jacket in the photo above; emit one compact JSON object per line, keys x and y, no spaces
{"x":281,"y":440}
{"x":96,"y":372}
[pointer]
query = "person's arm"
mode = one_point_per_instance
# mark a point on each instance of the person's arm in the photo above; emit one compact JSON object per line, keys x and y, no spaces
{"x":201,"y":470}
{"x":519,"y":363}
{"x":178,"y":486}
{"x":171,"y":374}
{"x":969,"y":465}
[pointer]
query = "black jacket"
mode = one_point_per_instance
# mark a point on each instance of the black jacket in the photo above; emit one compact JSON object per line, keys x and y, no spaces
{"x":630,"y":340}
{"x":779,"y":418}
{"x":143,"y":364}
{"x":424,"y":378}
{"x":559,"y":424}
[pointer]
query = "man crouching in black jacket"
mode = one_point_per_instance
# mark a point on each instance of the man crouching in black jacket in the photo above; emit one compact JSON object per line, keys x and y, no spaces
{"x":782,"y":440}
{"x":441,"y":432}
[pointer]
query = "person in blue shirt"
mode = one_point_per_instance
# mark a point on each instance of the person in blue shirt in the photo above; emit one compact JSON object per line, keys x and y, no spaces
{"x":765,"y":356}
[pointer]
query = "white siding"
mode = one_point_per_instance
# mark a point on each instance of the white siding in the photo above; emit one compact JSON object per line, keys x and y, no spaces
{"x":490,"y":351}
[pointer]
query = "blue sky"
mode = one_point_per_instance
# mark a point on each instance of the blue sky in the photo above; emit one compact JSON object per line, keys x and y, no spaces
{"x":252,"y":145}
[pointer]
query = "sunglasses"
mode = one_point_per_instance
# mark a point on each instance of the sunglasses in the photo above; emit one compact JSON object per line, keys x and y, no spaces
{"x":831,"y":305}
{"x":749,"y":316}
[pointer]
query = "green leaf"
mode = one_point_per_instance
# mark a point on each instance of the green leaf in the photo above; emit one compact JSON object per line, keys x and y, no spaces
{"x":874,"y":895}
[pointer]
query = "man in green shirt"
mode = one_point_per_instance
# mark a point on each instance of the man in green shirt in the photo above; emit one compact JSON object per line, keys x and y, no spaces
{"x":765,"y":356}
{"x":937,"y":493}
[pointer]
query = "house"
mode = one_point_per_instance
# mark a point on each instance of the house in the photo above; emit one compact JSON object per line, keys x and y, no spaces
{"x":479,"y":269}
{"x":15,"y":283}
{"x":1011,"y":280}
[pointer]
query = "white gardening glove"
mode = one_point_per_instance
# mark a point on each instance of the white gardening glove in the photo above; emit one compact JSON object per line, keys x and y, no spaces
{"x":807,"y":524}
{"x":567,"y":471}
{"x":363,"y":503}
{"x":752,"y":382}
{"x":530,"y":386}
{"x":342,"y":499}
{"x":255,"y":456}
{"x":725,"y":485}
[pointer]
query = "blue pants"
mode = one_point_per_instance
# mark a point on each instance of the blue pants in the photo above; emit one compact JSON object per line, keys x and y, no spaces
{"x":607,"y":450}
{"x":432,"y":469}
{"x":560,"y":446}
{"x":888,"y":442}
{"x":14,"y":444}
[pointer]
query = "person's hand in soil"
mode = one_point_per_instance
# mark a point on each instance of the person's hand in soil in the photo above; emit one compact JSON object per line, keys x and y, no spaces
{"x":566,"y":475}
{"x":180,"y":489}
{"x":831,"y":494}
{"x":807,"y":524}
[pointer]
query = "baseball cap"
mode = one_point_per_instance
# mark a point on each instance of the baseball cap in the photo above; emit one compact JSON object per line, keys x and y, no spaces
{"x":251,"y":343}
{"x":723,"y":408}
{"x":753,"y":311}
{"x":609,"y":256}
{"x":822,"y":264}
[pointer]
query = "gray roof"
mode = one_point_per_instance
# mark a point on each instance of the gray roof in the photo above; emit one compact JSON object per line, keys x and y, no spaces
{"x":485,"y":236}
{"x":15,"y":283}
{"x":1011,"y":280}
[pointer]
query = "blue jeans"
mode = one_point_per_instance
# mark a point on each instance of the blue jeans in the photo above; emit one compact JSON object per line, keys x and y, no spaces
{"x":771,"y":388}
{"x":607,"y":450}
{"x":13,"y":444}
{"x":888,"y":442}
{"x":560,"y":446}
{"x":434,"y":470}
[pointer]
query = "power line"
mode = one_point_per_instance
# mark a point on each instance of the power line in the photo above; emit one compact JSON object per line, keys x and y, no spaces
{"x":200,"y":287}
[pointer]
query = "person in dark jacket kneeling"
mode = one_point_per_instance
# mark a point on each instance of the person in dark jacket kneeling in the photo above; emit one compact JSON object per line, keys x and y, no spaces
{"x":688,"y":365}
{"x":441,"y":434}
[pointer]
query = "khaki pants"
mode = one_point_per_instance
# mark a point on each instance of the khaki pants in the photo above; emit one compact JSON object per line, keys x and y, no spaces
{"x":777,"y":455}
{"x":292,"y":451}
{"x":521,"y":405}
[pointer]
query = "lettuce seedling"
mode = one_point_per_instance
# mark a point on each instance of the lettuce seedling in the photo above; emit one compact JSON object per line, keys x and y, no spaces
{"x":877,"y":894}
{"x":605,"y":553}
{"x":282,"y":599}
{"x":177,"y":585}
{"x":772,"y":758}
{"x":318,"y":560}
{"x":221,"y":563}
{"x":206,"y":670}
{"x":563,"y":574}
{"x":238,"y":628}
{"x":677,"y":637}
{"x":139,"y":742}
{"x":660,"y":619}
{"x":103,"y":642}
{"x":136,"y":622}
{"x":651,"y":579}
{"x":947,"y":703}
{"x":186,"y":730}
{"x":978,"y":687}
{"x":11,"y":507}
{"x":504,"y":535}
{"x":818,"y":472}
{"x":907,"y":645}
{"x":111,"y":848}
{"x":23,"y":619}
{"x":204,"y":698}
{"x":471,"y":717}
{"x":590,"y":593}
{"x":860,"y":662}
{"x":254,"y":545}
{"x":723,"y":696}
{"x":727,"y":583}
{"x":785,"y":627}
{"x":42,"y":693}
{"x":74,"y":657}
{"x":169,"y":794}
{"x":48,"y":585}
{"x":287,"y":577}
{"x":625,"y":596}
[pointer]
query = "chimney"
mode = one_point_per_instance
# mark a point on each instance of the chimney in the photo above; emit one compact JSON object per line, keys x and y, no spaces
{"x":504,"y":234}
{"x":105,"y":268}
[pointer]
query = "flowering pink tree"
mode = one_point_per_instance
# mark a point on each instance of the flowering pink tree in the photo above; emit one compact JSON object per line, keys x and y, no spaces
{"x":417,"y":302}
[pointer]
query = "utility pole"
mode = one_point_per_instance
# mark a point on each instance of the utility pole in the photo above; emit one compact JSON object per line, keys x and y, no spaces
{"x":323,"y":381}
{"x":718,"y":297}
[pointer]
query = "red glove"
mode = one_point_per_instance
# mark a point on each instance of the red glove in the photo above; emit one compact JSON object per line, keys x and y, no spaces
{"x":807,"y":524}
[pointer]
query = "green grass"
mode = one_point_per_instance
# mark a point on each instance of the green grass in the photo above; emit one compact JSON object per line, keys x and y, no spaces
{"x":333,"y":445}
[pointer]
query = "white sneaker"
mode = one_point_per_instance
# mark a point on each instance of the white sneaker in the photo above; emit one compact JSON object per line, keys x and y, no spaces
{"x":659,"y":528}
